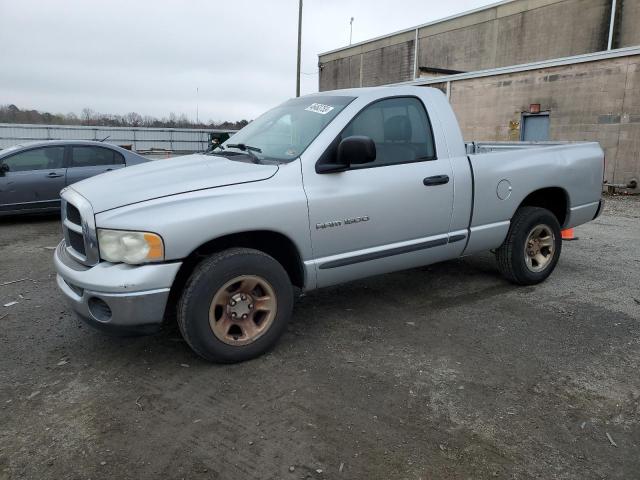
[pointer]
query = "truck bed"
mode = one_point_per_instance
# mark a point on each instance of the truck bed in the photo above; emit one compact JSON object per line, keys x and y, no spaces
{"x":505,"y":173}
{"x":489,"y":147}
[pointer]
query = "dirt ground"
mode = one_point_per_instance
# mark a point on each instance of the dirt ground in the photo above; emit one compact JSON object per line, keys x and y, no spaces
{"x":440,"y":372}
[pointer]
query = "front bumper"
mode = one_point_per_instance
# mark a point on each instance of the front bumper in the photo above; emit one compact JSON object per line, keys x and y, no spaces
{"x":116,"y":297}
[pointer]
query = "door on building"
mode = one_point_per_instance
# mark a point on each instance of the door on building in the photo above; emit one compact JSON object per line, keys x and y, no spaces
{"x":535,"y":128}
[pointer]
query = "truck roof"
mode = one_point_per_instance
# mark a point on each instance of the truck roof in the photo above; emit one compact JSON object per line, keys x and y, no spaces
{"x":382,"y":91}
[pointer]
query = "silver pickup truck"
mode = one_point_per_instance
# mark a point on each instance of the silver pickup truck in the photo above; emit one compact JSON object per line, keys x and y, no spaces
{"x":323,"y":189}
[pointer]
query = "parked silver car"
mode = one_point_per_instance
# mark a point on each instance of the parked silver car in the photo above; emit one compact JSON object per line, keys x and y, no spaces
{"x":31,"y":176}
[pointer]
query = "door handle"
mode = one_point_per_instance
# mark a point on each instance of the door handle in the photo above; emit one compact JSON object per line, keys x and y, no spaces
{"x":54,"y":175}
{"x":436,"y":180}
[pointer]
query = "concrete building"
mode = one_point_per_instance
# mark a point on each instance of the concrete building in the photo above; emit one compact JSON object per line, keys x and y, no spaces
{"x":520,"y":69}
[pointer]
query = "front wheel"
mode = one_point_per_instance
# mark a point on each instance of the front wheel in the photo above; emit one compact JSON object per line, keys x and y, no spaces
{"x":532,"y":247}
{"x":235,"y":305}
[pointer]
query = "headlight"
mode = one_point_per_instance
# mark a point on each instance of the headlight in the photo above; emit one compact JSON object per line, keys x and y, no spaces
{"x":130,"y":247}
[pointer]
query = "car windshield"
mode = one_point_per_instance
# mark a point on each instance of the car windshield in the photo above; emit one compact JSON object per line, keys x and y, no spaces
{"x":283,"y":133}
{"x":13,"y":148}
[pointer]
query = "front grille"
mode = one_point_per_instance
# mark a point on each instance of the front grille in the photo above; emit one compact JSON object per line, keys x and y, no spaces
{"x":62,"y":251}
{"x":76,"y":241}
{"x":78,"y":225}
{"x":73,"y":214}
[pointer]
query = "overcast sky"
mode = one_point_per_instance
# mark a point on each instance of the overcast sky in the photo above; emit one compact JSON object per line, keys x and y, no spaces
{"x":148,"y":56}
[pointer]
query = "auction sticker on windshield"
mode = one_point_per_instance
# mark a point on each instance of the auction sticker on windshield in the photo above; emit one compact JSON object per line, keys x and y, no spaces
{"x":319,"y":108}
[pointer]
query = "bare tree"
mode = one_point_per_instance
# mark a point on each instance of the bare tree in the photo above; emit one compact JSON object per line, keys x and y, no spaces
{"x":12,"y":114}
{"x":71,"y":118}
{"x":133,"y":119}
{"x":87,"y":116}
{"x":148,"y":121}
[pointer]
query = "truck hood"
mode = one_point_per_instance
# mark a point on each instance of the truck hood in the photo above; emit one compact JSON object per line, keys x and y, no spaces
{"x":161,"y":178}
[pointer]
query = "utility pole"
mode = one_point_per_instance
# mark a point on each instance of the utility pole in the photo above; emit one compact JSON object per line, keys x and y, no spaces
{"x":350,"y":30}
{"x":612,"y":24}
{"x":299,"y":48}
{"x":197,"y":109}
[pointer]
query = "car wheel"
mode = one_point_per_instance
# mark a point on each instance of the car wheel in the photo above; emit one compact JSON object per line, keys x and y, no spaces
{"x":532,"y":247}
{"x":235,"y":305}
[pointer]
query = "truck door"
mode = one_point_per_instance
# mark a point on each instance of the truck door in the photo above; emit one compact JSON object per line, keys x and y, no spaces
{"x":387,"y":215}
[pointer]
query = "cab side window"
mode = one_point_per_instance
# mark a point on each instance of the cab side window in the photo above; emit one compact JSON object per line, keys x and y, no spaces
{"x":48,"y":158}
{"x":94,"y":156}
{"x":400,"y":129}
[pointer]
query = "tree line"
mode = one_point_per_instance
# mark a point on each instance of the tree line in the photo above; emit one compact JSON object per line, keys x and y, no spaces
{"x":12,"y":114}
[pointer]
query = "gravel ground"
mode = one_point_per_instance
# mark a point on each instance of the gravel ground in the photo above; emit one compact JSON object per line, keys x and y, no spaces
{"x":446,"y":371}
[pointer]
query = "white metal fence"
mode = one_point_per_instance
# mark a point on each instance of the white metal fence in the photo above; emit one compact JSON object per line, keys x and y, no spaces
{"x":177,"y":140}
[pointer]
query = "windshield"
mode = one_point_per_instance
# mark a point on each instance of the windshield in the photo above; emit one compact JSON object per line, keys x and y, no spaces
{"x":10,"y":149}
{"x":284,"y":132}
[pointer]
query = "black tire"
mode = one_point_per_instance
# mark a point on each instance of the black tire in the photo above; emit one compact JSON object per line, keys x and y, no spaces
{"x":511,"y":254}
{"x":207,"y":279}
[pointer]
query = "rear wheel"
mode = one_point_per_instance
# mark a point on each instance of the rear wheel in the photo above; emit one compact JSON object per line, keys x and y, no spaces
{"x":532,"y":247}
{"x":235,"y":305}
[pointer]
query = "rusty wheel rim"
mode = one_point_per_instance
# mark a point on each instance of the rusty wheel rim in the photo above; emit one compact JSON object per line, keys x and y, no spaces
{"x":539,"y":248}
{"x":242,"y":310}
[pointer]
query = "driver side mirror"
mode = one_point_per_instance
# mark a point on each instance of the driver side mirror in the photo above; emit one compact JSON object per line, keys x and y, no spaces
{"x":4,"y":168}
{"x":354,"y":150}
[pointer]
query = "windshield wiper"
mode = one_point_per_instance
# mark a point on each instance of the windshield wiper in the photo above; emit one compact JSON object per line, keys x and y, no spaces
{"x":213,"y":150}
{"x":247,"y":148}
{"x":244,"y":147}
